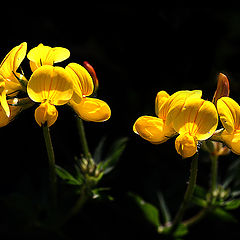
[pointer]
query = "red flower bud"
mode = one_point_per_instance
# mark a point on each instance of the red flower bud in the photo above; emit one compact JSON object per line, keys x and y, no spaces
{"x":222,"y":88}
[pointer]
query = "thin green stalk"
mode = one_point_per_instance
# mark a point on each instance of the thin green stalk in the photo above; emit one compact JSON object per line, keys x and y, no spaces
{"x":51,"y":163}
{"x":188,"y":193}
{"x":193,"y":220}
{"x":214,"y":174}
{"x":212,"y":190}
{"x":83,"y":139}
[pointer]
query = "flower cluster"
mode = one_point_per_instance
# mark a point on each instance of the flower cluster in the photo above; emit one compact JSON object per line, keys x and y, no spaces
{"x":48,"y":85}
{"x":192,"y":119}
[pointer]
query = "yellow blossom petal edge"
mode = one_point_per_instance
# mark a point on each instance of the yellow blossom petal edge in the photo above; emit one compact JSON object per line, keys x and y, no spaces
{"x":92,"y":109}
{"x":46,"y":112}
{"x":229,"y":113}
{"x":53,"y":84}
{"x":152,"y":129}
{"x":45,"y":55}
{"x":82,"y":80}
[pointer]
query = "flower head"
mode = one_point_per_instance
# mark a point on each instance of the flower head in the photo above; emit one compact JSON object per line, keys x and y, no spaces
{"x":45,"y":55}
{"x":89,"y":109}
{"x":49,"y":86}
{"x":197,"y":121}
{"x":159,"y":129}
{"x":229,"y":113}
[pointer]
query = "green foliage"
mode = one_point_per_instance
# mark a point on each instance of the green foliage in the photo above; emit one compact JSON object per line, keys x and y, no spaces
{"x":67,"y":177}
{"x":149,"y":211}
{"x":107,"y":164}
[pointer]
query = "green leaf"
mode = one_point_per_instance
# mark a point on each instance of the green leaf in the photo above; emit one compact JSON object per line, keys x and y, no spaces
{"x":199,"y":201}
{"x":149,"y":211}
{"x":113,"y":155}
{"x":97,"y":156}
{"x":181,"y":230}
{"x":66,"y":176}
{"x":232,"y":204}
{"x":200,"y":192}
{"x":224,"y":215}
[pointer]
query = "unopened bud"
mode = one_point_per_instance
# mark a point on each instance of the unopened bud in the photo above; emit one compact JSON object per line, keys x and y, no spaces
{"x":222,"y":88}
{"x":93,"y":74}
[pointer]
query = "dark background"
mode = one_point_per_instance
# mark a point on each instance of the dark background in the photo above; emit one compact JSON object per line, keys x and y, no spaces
{"x":136,"y":50}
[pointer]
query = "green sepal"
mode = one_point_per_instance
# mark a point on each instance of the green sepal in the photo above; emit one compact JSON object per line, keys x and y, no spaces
{"x":67,"y":177}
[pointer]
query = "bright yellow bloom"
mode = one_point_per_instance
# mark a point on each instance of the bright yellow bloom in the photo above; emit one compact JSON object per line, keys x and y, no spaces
{"x":49,"y":86}
{"x":159,"y":129}
{"x":45,"y":55}
{"x":9,"y":83}
{"x":229,"y":113}
{"x":197,"y":121}
{"x":89,"y":109}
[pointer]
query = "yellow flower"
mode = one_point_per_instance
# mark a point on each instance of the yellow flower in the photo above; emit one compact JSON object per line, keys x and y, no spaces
{"x":159,"y":129}
{"x":229,"y":113}
{"x":45,"y":55}
{"x":197,"y":121}
{"x":89,"y":109}
{"x":49,"y":86}
{"x":9,"y":83}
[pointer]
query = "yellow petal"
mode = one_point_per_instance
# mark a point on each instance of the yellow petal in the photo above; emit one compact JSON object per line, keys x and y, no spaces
{"x":92,"y":109}
{"x":186,"y":145}
{"x":13,"y":59}
{"x":161,"y":98}
{"x":3,"y":97}
{"x":153,"y":129}
{"x":176,"y":102}
{"x":10,"y":64}
{"x":4,"y":104}
{"x":46,"y":113}
{"x":45,"y":55}
{"x":82,"y":80}
{"x":50,"y":83}
{"x":229,"y":113}
{"x":169,"y":106}
{"x":232,"y":140}
{"x":198,"y":118}
{"x":4,"y":119}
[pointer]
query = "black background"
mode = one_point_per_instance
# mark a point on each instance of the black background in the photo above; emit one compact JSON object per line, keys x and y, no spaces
{"x":136,"y":50}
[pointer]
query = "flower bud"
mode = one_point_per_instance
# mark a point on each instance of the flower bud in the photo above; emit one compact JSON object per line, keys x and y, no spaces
{"x":93,"y":74}
{"x":222,"y":88}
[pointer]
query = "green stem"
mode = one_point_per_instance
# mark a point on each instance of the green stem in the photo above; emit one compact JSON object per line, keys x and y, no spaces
{"x":211,"y":199}
{"x":84,"y":196}
{"x":214,"y":174}
{"x":83,"y":139}
{"x":193,"y":220}
{"x":188,"y":193}
{"x":51,"y":162}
